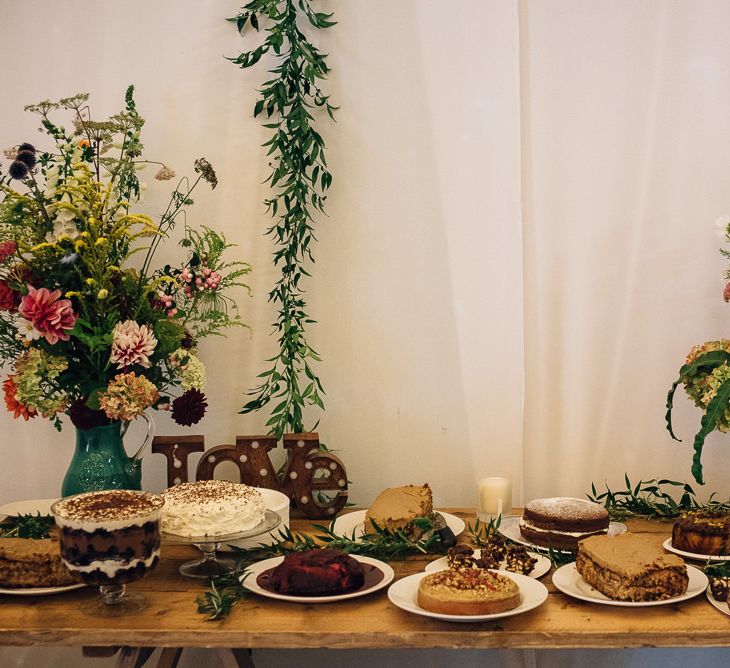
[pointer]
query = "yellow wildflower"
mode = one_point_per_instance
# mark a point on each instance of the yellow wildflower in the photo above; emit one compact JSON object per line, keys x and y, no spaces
{"x":102,"y":294}
{"x":79,"y":245}
{"x":72,"y":293}
{"x":90,"y":281}
{"x":100,"y":241}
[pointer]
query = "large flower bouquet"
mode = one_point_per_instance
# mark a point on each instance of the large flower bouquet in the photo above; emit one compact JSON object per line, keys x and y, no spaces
{"x":705,"y":376}
{"x":89,"y":325}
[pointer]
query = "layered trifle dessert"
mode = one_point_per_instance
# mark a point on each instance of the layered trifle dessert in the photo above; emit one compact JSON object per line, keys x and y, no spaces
{"x":211,"y":508}
{"x":109,"y":537}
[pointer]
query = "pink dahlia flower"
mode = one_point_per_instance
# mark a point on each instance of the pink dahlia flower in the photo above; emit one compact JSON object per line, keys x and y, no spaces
{"x":7,"y":249}
{"x":9,"y":299}
{"x":50,"y":315}
{"x":726,"y":293}
{"x":132,"y":344}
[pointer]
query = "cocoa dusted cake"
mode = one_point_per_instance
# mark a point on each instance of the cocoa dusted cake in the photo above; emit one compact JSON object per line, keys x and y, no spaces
{"x":630,"y":568}
{"x":109,"y":537}
{"x":703,"y":532}
{"x":395,"y":508}
{"x":29,"y":562}
{"x":468,"y":592}
{"x":317,"y":573}
{"x":560,"y":522}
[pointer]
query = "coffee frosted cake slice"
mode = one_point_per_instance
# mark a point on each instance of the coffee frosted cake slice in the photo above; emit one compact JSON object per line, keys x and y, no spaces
{"x":630,"y":568}
{"x":395,"y":508}
{"x":26,"y":562}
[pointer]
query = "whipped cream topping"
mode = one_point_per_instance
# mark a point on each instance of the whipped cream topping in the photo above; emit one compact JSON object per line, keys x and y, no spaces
{"x":109,"y":510}
{"x":211,"y":508}
{"x":112,"y":567}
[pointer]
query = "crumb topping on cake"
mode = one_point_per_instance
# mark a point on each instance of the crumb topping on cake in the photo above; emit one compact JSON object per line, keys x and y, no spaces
{"x":470,"y":580}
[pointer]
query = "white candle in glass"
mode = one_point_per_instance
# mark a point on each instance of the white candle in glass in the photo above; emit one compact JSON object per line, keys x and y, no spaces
{"x":494,"y":496}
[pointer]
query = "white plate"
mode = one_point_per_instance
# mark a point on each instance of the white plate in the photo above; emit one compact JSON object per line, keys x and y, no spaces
{"x":353,"y":524}
{"x":667,"y":544}
{"x":569,"y":581}
{"x":510,"y":528}
{"x":541,"y":567}
{"x":260,"y":566}
{"x":41,"y":591}
{"x":720,"y":605}
{"x":404,"y":594}
{"x":30,"y":507}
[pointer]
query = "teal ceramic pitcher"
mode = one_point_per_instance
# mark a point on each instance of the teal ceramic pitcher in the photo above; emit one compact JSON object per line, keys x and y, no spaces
{"x":101,"y":462}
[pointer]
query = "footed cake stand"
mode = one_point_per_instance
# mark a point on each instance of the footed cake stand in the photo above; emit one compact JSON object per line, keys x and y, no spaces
{"x":210,"y":566}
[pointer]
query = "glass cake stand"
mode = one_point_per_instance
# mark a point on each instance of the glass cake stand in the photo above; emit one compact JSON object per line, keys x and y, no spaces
{"x":210,"y":566}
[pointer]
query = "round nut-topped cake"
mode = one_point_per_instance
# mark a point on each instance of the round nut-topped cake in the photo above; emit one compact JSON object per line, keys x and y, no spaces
{"x":468,"y":592}
{"x":560,"y":522}
{"x":703,"y":532}
{"x":109,"y":537}
{"x":211,"y":508}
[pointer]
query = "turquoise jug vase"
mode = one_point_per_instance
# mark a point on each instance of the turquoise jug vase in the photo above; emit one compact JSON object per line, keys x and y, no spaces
{"x":101,"y":462}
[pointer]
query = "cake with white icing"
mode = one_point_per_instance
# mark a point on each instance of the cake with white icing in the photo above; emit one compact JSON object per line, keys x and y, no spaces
{"x":211,"y":508}
{"x":560,"y":522}
{"x":109,"y":537}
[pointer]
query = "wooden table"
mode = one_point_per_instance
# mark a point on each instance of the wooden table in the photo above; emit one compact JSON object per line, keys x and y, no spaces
{"x":369,"y":622}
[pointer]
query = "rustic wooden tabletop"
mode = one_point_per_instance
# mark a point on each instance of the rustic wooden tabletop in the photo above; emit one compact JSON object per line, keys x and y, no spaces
{"x":372,"y":621}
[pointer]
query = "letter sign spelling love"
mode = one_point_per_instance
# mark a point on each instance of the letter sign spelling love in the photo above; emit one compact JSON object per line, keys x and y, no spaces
{"x":309,"y":472}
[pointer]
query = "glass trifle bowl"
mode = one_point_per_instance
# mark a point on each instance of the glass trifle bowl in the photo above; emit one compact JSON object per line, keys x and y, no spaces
{"x":110,"y":538}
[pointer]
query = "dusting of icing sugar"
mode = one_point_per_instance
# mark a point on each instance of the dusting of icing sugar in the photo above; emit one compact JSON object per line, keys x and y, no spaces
{"x":567,"y":508}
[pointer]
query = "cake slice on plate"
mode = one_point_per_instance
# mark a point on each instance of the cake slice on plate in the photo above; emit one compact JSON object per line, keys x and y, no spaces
{"x":395,"y":509}
{"x":630,"y":568}
{"x":26,"y":562}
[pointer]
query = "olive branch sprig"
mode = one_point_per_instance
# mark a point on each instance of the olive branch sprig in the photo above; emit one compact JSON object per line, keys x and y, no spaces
{"x":650,"y":499}
{"x":300,"y":177}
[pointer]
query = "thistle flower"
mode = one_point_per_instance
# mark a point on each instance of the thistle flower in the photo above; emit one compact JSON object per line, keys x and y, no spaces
{"x":7,"y":249}
{"x":189,"y":408}
{"x":25,"y":146}
{"x":50,"y":315}
{"x":18,"y":170}
{"x":127,"y":396}
{"x":27,"y":158}
{"x":132,"y":344}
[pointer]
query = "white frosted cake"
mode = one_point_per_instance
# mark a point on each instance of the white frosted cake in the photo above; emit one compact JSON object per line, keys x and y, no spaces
{"x":211,"y":508}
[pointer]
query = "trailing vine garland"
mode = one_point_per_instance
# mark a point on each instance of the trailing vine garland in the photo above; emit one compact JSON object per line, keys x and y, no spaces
{"x":300,"y":177}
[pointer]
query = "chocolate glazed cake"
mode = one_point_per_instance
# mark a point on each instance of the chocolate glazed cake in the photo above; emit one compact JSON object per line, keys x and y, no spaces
{"x":109,"y":537}
{"x":317,"y":573}
{"x":560,"y":522}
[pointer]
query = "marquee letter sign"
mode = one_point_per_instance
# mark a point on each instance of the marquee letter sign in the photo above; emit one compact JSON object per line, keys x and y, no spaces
{"x":314,"y":479}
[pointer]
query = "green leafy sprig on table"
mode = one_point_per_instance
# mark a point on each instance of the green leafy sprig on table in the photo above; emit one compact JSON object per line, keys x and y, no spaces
{"x":300,"y":177}
{"x":27,"y":526}
{"x":648,"y":500}
{"x":382,"y":544}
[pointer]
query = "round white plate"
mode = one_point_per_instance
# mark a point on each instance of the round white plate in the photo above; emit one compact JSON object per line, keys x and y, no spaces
{"x":30,"y":507}
{"x":541,"y":567}
{"x":569,"y":581}
{"x":667,"y":544}
{"x":353,"y":524}
{"x":41,"y":591}
{"x":254,"y":570}
{"x":720,"y":605}
{"x":404,"y":594}
{"x":510,"y":528}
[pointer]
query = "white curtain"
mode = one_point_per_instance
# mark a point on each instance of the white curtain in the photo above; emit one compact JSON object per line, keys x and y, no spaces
{"x":519,"y":251}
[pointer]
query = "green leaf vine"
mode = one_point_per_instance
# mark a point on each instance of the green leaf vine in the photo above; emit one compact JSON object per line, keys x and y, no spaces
{"x":288,"y":102}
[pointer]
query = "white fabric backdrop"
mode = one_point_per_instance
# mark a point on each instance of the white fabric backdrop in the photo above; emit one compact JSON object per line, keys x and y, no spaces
{"x":519,"y":251}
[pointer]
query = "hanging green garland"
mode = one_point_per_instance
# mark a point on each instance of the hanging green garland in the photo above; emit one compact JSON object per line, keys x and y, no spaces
{"x":299,"y":177}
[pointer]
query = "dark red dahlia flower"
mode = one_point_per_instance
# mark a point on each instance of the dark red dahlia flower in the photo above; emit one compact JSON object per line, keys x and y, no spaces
{"x":189,"y":408}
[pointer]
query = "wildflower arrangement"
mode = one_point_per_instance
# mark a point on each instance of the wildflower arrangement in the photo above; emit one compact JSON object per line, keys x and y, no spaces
{"x":89,"y":326}
{"x":705,"y":376}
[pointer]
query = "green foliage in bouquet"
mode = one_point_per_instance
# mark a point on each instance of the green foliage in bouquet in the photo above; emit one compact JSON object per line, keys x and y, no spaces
{"x":87,"y":331}
{"x":300,"y":176}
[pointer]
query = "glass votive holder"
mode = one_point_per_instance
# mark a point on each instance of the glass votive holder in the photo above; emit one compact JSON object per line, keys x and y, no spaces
{"x":494,"y":497}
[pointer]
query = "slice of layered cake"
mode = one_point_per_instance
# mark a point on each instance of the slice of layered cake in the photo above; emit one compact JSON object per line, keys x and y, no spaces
{"x":27,"y":562}
{"x":630,"y":568}
{"x":395,"y":509}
